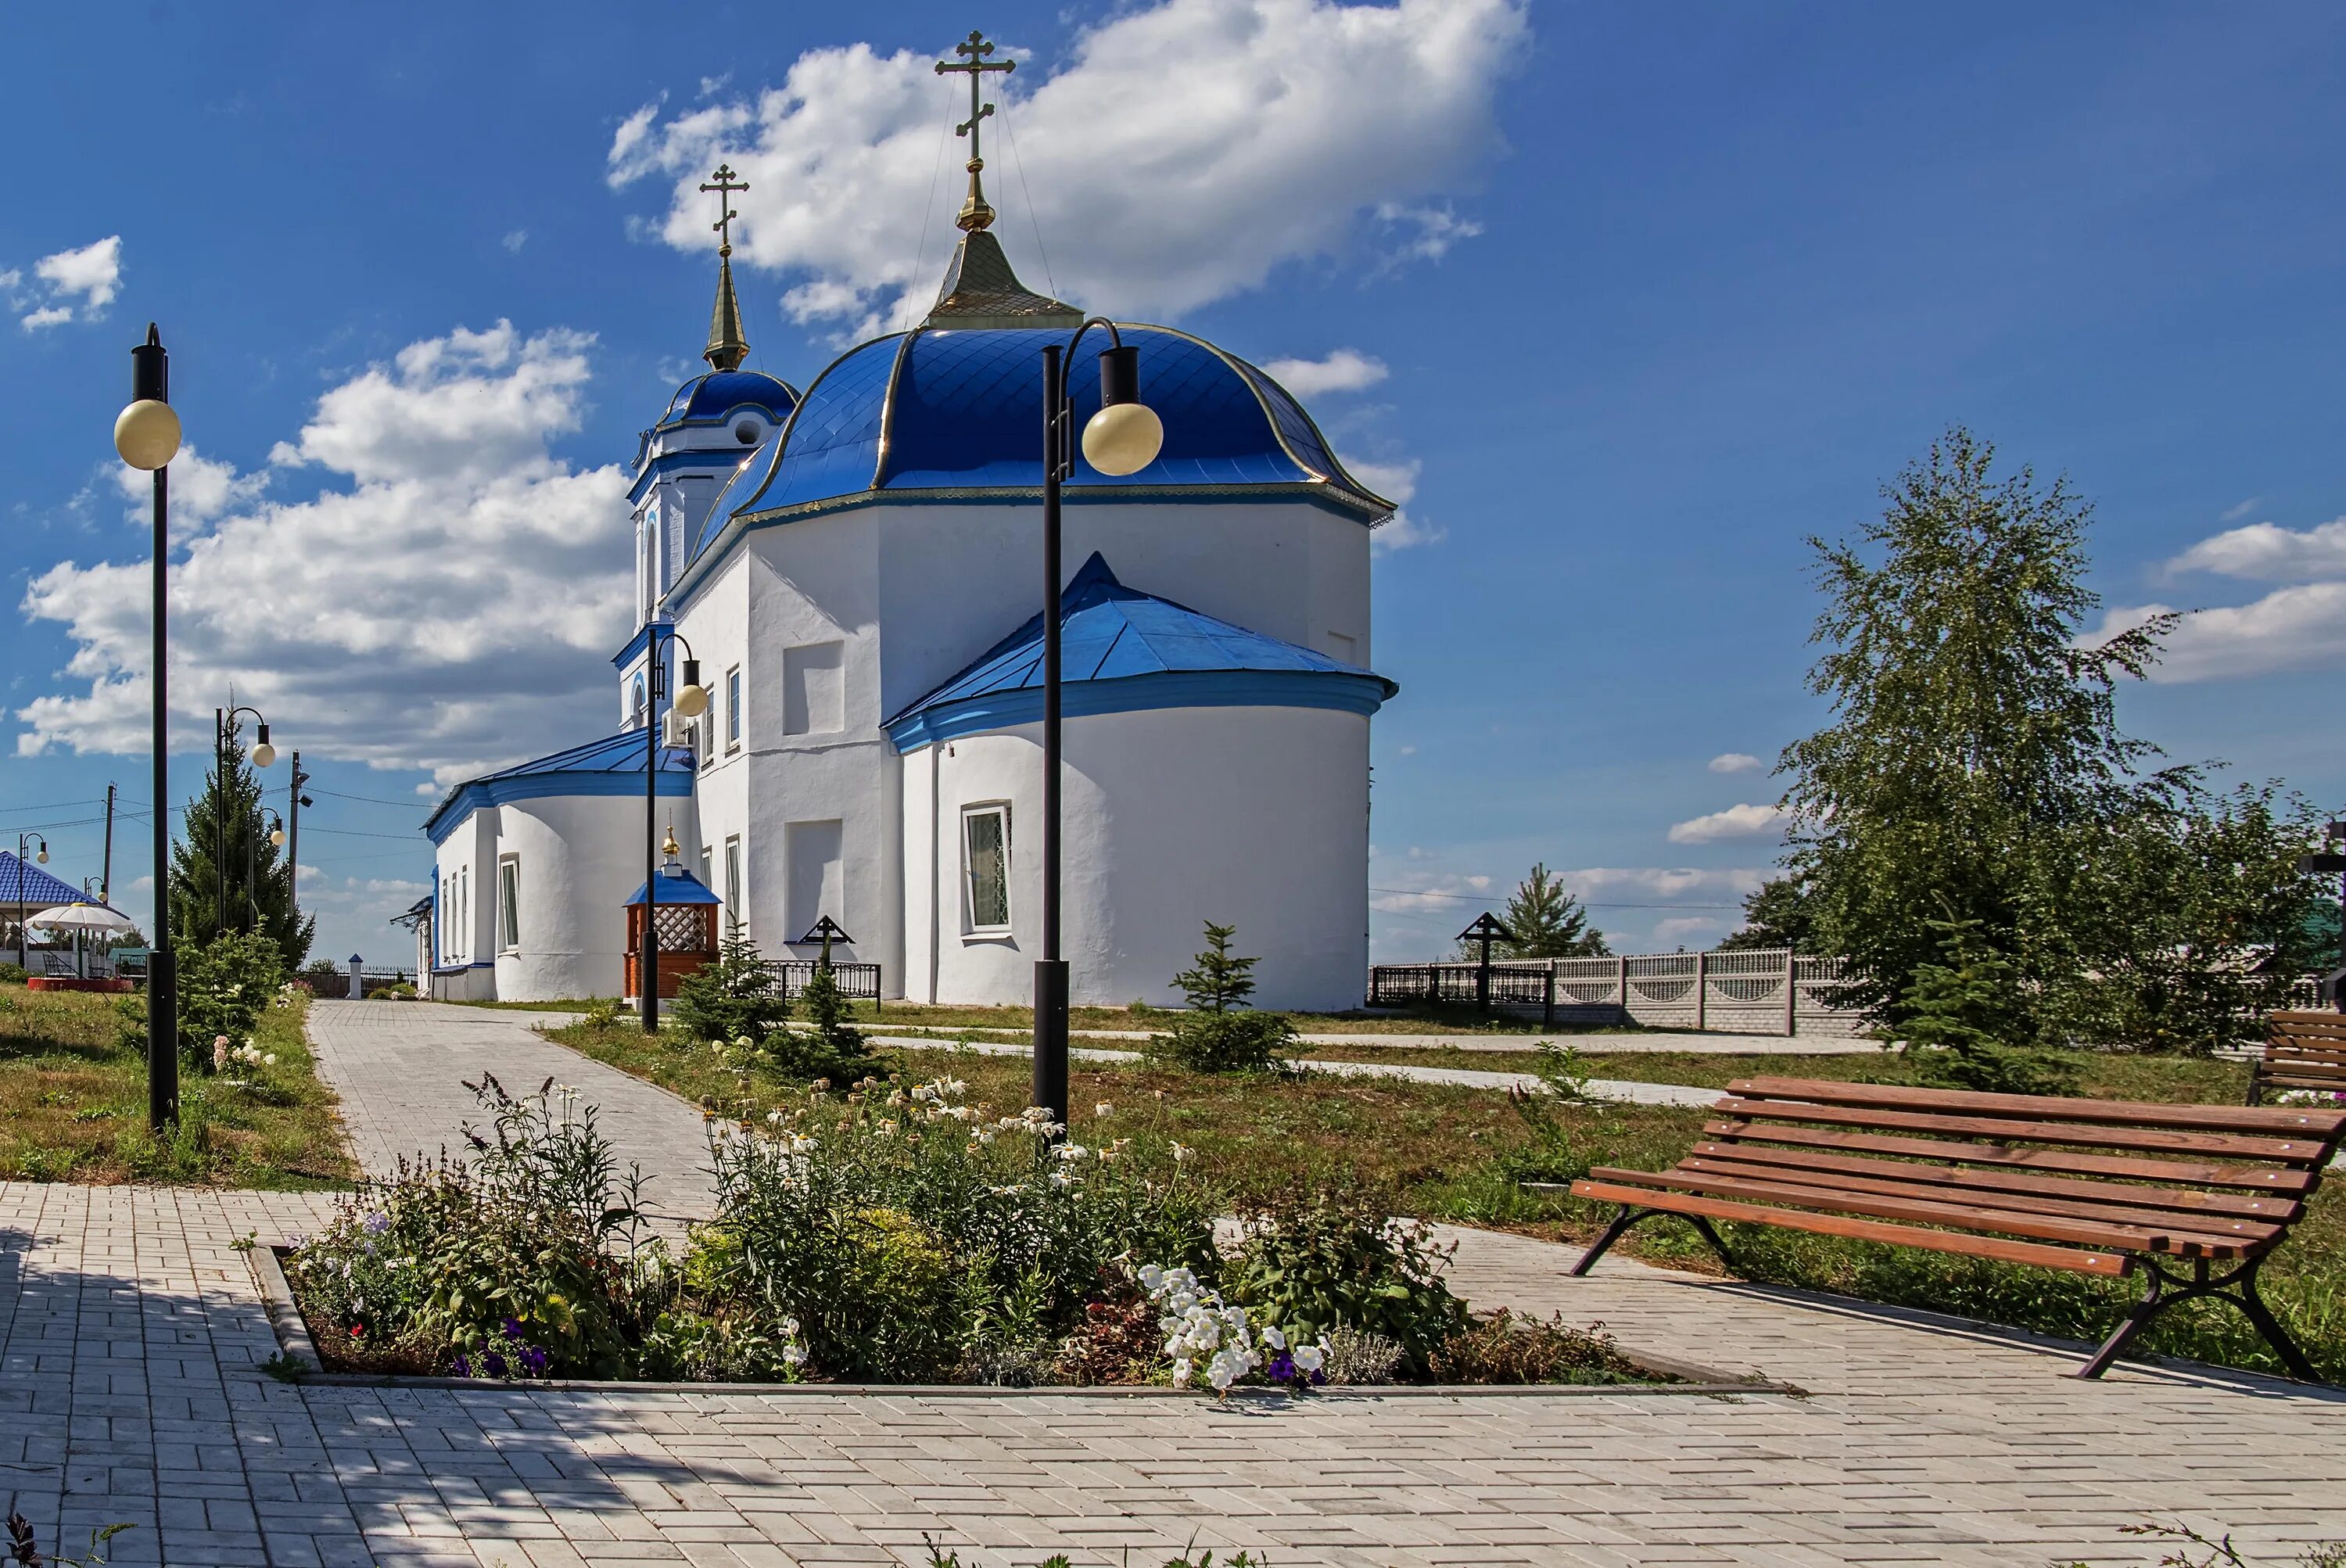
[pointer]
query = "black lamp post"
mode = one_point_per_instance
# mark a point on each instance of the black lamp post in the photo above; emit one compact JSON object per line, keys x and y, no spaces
{"x":691,"y":700}
{"x":146,"y":435}
{"x":23,"y":953}
{"x":263,"y":754}
{"x":1123,"y":437}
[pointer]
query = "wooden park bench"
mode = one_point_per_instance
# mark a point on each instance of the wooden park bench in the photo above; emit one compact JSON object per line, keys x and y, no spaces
{"x":2194,"y":1197}
{"x":2304,"y":1051}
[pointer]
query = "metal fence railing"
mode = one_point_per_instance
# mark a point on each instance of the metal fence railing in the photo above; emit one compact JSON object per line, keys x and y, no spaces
{"x":1761,"y":991}
{"x":857,"y":981}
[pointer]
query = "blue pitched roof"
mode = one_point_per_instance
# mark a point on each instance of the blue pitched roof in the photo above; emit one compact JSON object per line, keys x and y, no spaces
{"x":1122,"y":650}
{"x":611,"y":766}
{"x":22,"y":882}
{"x":958,"y":413}
{"x":677,"y":887}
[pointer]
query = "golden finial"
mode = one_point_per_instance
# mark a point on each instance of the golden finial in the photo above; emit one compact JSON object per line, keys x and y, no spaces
{"x":727,"y":345}
{"x":670,"y":847}
{"x":974,"y":213}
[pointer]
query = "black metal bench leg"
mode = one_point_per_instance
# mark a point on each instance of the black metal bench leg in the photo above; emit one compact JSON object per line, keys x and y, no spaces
{"x":1629,"y":1216}
{"x":1613,"y":1233}
{"x":2270,"y":1327}
{"x":2153,"y":1300}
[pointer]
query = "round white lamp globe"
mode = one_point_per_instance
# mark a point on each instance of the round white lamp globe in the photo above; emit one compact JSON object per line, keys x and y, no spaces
{"x":1123,"y":438}
{"x":692,"y":701}
{"x":147,"y":434}
{"x":263,"y":754}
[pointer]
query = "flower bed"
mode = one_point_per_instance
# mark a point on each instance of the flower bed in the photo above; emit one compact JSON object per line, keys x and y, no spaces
{"x":891,"y":1234}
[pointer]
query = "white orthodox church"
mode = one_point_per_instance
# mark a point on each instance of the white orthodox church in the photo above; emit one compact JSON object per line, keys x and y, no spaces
{"x":856,"y":569}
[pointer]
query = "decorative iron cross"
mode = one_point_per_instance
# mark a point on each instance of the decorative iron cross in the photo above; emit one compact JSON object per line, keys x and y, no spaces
{"x":725,"y":188}
{"x":976,"y":48}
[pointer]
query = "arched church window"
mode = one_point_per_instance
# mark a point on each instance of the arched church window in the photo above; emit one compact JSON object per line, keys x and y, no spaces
{"x":747,"y":433}
{"x":639,"y":699}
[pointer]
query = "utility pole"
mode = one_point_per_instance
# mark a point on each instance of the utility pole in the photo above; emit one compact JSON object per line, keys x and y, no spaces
{"x":105,"y":866}
{"x":293,"y":844}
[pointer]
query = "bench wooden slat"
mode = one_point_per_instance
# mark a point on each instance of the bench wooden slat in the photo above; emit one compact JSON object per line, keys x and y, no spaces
{"x":2182,"y":1201}
{"x":1889,"y":1180}
{"x":2261,"y":1179}
{"x":2304,"y":1151}
{"x":2005,"y":1251}
{"x":2097,"y":1236}
{"x":2271,"y":1122}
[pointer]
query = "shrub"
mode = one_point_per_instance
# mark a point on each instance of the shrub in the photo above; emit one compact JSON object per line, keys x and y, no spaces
{"x":223,"y":986}
{"x":910,"y":1233}
{"x":734,"y":999}
{"x":1504,"y":1348}
{"x":1963,"y":1014}
{"x":1218,"y":1033}
{"x":497,"y":1265}
{"x":835,"y":1049}
{"x":12,"y":974}
{"x":1361,"y":1358}
{"x":1338,"y":1261}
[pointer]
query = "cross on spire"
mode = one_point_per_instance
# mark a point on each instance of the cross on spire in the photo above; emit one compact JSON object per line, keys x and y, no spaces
{"x":974,"y":212}
{"x":725,"y":188}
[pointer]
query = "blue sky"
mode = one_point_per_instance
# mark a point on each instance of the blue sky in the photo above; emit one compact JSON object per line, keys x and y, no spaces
{"x":1627,"y":300}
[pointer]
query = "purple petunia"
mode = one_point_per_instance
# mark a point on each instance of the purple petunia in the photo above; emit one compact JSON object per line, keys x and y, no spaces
{"x":494,"y":1362}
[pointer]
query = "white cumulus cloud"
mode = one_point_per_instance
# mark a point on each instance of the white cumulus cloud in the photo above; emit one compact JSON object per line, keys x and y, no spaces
{"x":47,"y":316}
{"x":1183,"y":151}
{"x":2301,"y":624}
{"x":444,"y":603}
{"x":203,"y":491}
{"x":1397,"y":483}
{"x":1345,"y":370}
{"x":1735,"y":823}
{"x":1735,"y":762}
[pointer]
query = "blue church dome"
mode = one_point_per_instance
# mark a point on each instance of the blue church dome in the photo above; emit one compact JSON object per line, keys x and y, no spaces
{"x":955,"y":413}
{"x":712,"y":398}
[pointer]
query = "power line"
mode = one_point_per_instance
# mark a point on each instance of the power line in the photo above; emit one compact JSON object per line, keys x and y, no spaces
{"x":416,"y":804}
{"x":353,"y":833}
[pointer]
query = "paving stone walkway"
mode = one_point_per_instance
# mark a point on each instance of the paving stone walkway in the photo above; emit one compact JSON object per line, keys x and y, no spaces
{"x":401,"y":1069}
{"x":130,"y":1331}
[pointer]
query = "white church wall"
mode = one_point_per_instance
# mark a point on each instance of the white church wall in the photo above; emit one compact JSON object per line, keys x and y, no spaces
{"x":464,"y":969}
{"x":578,"y":858}
{"x":716,"y":624}
{"x":955,"y":580}
{"x":1256,"y":817}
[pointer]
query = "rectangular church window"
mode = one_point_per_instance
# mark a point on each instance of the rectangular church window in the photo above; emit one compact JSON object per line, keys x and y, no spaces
{"x":733,"y":882}
{"x":733,"y":708}
{"x":986,"y":867}
{"x":814,"y":688}
{"x":509,"y":904}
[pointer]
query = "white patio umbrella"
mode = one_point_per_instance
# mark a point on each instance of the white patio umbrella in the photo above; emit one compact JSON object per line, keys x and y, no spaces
{"x":80,"y":916}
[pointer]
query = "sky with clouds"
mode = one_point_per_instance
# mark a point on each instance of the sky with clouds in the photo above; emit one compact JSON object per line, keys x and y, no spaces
{"x":1620,"y":304}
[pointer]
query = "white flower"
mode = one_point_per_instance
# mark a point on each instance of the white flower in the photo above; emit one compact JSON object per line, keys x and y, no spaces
{"x":1151,"y":1277}
{"x":1103,"y":1109}
{"x":1071,"y":1152}
{"x":773,"y":1118}
{"x":1062,"y":1179}
{"x":955,"y":1085}
{"x":1180,"y":1371}
{"x":1308,"y":1359}
{"x":1221,"y":1372}
{"x":1272,"y":1337}
{"x":270,"y":1060}
{"x":1183,"y":1153}
{"x":793,"y":1355}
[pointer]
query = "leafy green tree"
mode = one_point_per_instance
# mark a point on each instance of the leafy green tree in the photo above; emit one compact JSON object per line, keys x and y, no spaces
{"x":259,"y":883}
{"x":2192,"y":919}
{"x":1775,"y":915}
{"x":1967,"y":1020}
{"x":1219,"y":1033}
{"x":1974,"y":751}
{"x":1547,"y":922}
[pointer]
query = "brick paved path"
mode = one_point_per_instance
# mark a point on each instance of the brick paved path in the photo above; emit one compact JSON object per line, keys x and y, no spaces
{"x":401,"y":1069}
{"x":129,"y":1331}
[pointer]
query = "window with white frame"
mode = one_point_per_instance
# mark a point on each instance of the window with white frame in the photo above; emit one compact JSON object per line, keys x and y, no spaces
{"x":707,"y":860}
{"x":733,"y":881}
{"x":509,"y":903}
{"x":986,"y":867}
{"x":733,"y":708}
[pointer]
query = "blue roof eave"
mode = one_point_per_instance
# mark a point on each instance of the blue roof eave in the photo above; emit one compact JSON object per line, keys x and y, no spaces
{"x":992,"y":712}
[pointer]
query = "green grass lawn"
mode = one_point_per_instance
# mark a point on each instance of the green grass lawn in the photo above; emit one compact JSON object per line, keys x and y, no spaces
{"x":72,"y":1104}
{"x":1460,"y":1155}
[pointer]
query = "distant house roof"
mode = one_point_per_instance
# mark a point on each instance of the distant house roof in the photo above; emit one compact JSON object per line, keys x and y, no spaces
{"x":21,"y":882}
{"x":611,"y":766}
{"x":1124,"y":650}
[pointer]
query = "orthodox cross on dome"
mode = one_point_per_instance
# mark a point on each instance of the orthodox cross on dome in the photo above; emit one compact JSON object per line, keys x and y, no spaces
{"x":725,"y":188}
{"x":727,"y":345}
{"x":974,"y":213}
